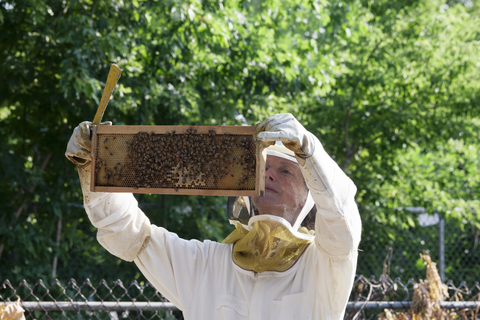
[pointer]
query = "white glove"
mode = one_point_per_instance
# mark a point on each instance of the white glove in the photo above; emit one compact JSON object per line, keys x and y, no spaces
{"x":285,"y":128}
{"x":79,"y":147}
{"x":79,"y":151}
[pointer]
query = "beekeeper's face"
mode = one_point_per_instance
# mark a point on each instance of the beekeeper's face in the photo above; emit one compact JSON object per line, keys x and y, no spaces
{"x":285,"y":189}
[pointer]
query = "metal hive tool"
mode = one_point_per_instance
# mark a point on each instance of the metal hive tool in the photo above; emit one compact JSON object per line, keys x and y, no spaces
{"x":198,"y":160}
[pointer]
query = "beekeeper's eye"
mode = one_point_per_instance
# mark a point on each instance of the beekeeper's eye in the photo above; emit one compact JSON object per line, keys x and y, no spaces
{"x":286,"y":170}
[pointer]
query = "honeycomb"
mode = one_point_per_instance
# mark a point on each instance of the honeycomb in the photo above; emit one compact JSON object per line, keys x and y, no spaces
{"x":185,"y":161}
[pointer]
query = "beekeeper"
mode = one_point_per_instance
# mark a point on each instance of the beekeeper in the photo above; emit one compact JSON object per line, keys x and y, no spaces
{"x":273,"y":265}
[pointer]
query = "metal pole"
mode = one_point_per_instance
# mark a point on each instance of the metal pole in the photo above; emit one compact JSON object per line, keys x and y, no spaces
{"x":94,"y":305}
{"x":157,"y":306}
{"x":408,"y":304}
{"x":441,"y":243}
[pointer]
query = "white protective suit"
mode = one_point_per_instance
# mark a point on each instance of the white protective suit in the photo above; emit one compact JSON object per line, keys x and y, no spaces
{"x":201,"y":279}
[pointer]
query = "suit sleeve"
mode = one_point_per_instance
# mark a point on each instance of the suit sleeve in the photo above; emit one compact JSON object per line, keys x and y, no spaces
{"x":338,"y":223}
{"x":173,"y":265}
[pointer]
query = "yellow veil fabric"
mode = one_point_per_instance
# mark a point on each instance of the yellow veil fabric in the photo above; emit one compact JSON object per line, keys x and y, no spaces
{"x":267,"y":244}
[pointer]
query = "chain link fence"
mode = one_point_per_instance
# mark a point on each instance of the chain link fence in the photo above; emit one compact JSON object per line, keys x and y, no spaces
{"x":86,"y":300}
{"x":117,"y":300}
{"x":453,"y":247}
{"x":396,"y":260}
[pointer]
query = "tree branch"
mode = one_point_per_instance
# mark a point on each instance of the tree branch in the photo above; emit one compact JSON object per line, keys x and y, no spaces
{"x":364,"y":146}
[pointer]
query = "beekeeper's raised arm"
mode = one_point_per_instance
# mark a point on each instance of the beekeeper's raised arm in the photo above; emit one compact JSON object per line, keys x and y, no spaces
{"x":338,"y":224}
{"x":120,"y":234}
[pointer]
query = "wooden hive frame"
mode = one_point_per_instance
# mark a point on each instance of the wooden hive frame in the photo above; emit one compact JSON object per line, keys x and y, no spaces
{"x":227,"y":169}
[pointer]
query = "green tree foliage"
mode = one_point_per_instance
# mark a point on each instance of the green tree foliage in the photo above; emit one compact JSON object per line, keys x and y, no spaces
{"x":390,"y":88}
{"x":406,"y":107}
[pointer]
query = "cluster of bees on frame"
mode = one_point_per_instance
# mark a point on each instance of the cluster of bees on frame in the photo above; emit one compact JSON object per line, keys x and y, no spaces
{"x":186,"y":161}
{"x":112,"y":174}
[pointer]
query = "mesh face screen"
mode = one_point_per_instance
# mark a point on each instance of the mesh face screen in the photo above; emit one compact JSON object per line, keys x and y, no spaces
{"x":146,"y":161}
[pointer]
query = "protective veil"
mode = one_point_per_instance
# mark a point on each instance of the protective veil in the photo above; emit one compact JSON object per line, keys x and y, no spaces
{"x":266,"y":242}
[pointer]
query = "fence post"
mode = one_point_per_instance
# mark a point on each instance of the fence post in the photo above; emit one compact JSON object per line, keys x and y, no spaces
{"x":441,"y":243}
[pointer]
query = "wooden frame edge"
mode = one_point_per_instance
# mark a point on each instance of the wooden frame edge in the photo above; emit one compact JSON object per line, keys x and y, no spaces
{"x":171,"y":191}
{"x":94,"y":156}
{"x":126,"y":129}
{"x":260,"y":179}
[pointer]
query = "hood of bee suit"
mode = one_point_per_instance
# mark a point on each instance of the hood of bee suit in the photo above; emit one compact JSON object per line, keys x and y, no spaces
{"x":241,"y":209}
{"x":267,"y":242}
